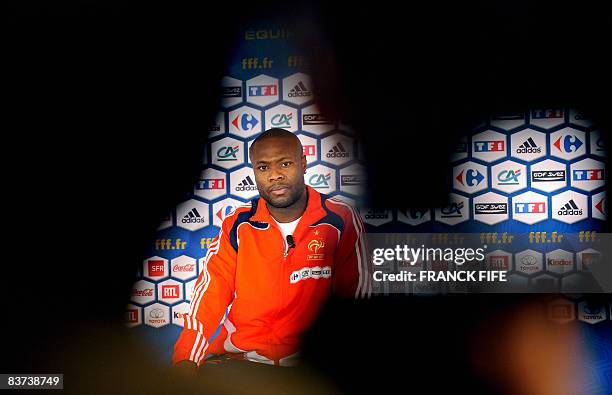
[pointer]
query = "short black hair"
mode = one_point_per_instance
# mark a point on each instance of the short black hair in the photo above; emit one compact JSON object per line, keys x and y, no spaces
{"x":278,"y":133}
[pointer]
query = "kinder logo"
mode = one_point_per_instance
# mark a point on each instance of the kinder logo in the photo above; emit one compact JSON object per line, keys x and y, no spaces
{"x":211,"y":183}
{"x":170,"y":291}
{"x":246,"y":184}
{"x":530,"y":208}
{"x":491,"y":208}
{"x":193,"y":217}
{"x":528,"y":147}
{"x":280,"y":120}
{"x":155,"y":267}
{"x":306,"y":273}
{"x":245,"y":122}
{"x":548,"y":176}
{"x":377,"y":214}
{"x":263,"y":90}
{"x":320,"y":181}
{"x":470,"y":177}
{"x":309,"y":150}
{"x":489,"y":146}
{"x":570,"y":208}
{"x":509,"y":177}
{"x":351,"y":179}
{"x":568,"y":144}
{"x":499,"y":262}
{"x":548,"y":113}
{"x":231,"y":91}
{"x":588,"y":175}
{"x":338,"y":151}
{"x":315,"y":119}
{"x":559,"y":262}
{"x":299,"y":90}
{"x":227,"y":153}
{"x":131,"y":316}
{"x":452,"y":211}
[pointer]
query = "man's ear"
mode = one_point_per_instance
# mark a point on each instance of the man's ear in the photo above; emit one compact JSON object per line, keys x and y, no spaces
{"x":304,"y":163}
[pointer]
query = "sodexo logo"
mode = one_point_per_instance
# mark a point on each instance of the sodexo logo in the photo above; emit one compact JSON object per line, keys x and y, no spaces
{"x":569,"y":207}
{"x":231,"y":91}
{"x":598,"y":206}
{"x":297,"y":89}
{"x":567,"y":143}
{"x":211,"y":184}
{"x":315,"y":122}
{"x":548,"y":175}
{"x":227,"y":153}
{"x":489,"y":146}
{"x":242,"y":183}
{"x":414,"y":216}
{"x":262,"y":90}
{"x":224,"y":209}
{"x":587,"y":174}
{"x":337,"y":149}
{"x":528,"y":145}
{"x":192,"y":215}
{"x":597,"y":145}
{"x":245,"y":121}
{"x":529,"y":208}
{"x":322,"y":178}
{"x":490,"y":208}
{"x":470,"y":177}
{"x":509,"y":176}
{"x":456,"y":212}
{"x":547,"y":117}
{"x":283,"y":117}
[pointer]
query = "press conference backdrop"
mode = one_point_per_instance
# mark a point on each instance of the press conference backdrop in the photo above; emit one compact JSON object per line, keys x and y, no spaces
{"x":531,"y":183}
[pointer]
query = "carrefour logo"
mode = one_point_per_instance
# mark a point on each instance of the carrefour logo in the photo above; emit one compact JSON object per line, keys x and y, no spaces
{"x":245,"y":122}
{"x":568,"y":143}
{"x":470,"y":177}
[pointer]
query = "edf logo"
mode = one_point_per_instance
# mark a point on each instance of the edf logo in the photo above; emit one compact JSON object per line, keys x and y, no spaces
{"x":245,"y":122}
{"x":525,"y":208}
{"x":588,"y":175}
{"x":568,"y":143}
{"x":489,"y":146}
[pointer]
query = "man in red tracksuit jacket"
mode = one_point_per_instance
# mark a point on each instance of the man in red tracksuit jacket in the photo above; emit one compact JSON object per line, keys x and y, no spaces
{"x":274,"y":263}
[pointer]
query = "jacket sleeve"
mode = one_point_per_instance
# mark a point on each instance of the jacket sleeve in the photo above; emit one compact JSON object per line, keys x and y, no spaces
{"x":213,"y":292}
{"x":352,"y":274}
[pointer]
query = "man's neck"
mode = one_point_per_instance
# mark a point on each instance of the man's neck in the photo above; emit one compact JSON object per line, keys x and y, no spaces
{"x":291,"y":213}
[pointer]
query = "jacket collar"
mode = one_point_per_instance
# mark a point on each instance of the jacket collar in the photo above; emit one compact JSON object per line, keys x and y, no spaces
{"x":314,"y":211}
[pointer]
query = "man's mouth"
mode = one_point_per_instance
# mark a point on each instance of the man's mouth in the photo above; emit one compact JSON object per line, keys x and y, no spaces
{"x":279,"y":190}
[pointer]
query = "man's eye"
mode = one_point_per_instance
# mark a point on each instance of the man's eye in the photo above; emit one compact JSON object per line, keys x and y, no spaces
{"x":286,"y":164}
{"x":262,"y":168}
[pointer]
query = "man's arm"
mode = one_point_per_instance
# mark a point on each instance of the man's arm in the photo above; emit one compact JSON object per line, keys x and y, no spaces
{"x":213,"y":292}
{"x":352,"y":274}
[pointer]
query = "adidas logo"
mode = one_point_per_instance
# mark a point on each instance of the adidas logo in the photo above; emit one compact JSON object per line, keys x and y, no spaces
{"x":192,"y":217}
{"x":246,"y":185}
{"x":570,"y":208}
{"x":338,"y":151}
{"x":299,"y":90}
{"x":528,"y":147}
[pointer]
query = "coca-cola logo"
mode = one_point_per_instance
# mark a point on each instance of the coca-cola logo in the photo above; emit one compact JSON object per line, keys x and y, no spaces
{"x":189,"y":267}
{"x":142,"y":292}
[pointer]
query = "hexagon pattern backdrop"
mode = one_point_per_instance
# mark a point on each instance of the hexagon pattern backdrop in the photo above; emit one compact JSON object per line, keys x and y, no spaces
{"x":526,"y":175}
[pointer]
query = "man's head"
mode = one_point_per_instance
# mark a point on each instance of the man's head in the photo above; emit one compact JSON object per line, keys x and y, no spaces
{"x":279,"y":165}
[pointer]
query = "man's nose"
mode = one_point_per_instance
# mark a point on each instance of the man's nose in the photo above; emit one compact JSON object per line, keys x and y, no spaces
{"x":276,"y":175}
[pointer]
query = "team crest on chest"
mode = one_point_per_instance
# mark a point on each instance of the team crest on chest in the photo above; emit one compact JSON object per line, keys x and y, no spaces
{"x":316,"y":246}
